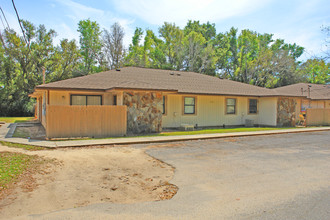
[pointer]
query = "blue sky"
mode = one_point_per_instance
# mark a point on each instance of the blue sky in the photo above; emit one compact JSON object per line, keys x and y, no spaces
{"x":292,"y":20}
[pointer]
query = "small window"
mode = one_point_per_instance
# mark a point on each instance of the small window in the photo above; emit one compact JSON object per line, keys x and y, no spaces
{"x":86,"y":100}
{"x":189,"y":105}
{"x":164,"y":105}
{"x":230,"y":106}
{"x":115,"y":100}
{"x":253,"y":106}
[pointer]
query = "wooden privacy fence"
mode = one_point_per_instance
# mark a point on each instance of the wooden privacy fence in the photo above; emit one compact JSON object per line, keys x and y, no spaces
{"x":85,"y":121}
{"x":317,"y":116}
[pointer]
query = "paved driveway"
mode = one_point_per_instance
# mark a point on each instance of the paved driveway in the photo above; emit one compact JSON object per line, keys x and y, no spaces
{"x":263,"y":177}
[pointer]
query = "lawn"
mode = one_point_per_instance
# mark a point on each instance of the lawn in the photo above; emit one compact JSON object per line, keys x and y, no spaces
{"x":217,"y":130}
{"x":12,"y":165}
{"x":176,"y":133}
{"x":23,"y":146}
{"x":15,"y":119}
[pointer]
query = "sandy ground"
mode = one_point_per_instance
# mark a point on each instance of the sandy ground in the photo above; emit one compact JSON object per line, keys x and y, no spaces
{"x":264,"y":177}
{"x":84,"y":176}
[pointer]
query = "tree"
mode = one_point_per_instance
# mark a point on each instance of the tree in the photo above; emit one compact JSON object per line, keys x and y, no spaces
{"x":173,"y":37}
{"x":135,"y":50}
{"x":316,"y":71}
{"x":257,"y":59}
{"x":91,"y":45}
{"x":21,"y":65}
{"x":113,"y":45}
{"x":247,"y":44}
{"x":326,"y":30}
{"x":194,"y":44}
{"x":284,"y":69}
{"x":65,"y":61}
{"x":199,"y":49}
{"x":207,"y":30}
{"x":153,"y":50}
{"x":261,"y":69}
{"x":226,"y":47}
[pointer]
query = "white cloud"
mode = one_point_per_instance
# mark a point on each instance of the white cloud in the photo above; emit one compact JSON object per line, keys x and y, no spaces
{"x":302,"y":38}
{"x":104,"y":18}
{"x":64,"y":31}
{"x":180,"y":11}
{"x":303,"y":27}
{"x":80,"y":11}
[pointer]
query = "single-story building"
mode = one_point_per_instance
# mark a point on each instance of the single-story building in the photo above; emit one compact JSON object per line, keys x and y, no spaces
{"x":314,"y":95}
{"x":313,"y":108}
{"x":149,"y":100}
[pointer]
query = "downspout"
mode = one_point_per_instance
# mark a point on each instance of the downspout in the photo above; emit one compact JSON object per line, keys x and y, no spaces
{"x":43,"y":75}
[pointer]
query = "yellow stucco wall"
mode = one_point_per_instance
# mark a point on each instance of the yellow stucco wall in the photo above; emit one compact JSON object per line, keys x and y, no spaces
{"x":210,"y":111}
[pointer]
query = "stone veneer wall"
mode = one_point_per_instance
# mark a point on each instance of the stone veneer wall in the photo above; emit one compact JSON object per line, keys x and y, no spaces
{"x":144,"y":111}
{"x":286,"y":112}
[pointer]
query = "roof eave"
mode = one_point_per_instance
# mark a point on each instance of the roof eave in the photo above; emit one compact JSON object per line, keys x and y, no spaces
{"x":70,"y":89}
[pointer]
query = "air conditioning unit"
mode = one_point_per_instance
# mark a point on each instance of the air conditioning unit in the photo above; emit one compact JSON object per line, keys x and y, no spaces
{"x":249,"y":123}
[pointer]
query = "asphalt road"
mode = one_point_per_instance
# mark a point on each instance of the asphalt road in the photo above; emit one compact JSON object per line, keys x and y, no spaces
{"x":263,"y":177}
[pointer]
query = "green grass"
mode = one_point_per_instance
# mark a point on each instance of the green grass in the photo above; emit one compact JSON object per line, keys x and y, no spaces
{"x":15,"y":119}
{"x":204,"y":131}
{"x":214,"y":131}
{"x":24,"y":146}
{"x":12,"y":165}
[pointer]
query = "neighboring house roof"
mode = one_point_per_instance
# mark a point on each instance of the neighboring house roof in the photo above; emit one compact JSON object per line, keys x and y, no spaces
{"x":309,"y":90}
{"x":157,"y":79}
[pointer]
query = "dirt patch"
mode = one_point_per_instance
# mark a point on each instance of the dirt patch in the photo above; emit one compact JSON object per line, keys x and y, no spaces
{"x":22,"y":174}
{"x":32,"y":130}
{"x":92,"y":175}
{"x":167,"y":145}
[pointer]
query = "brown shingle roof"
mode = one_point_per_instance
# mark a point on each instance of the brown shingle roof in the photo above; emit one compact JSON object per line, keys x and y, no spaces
{"x":156,"y":79}
{"x":317,"y":91}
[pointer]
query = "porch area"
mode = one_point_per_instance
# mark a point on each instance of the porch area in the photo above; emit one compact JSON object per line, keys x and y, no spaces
{"x":66,"y":121}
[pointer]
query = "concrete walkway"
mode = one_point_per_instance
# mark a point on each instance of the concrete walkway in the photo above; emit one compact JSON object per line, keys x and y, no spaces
{"x":6,"y":131}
